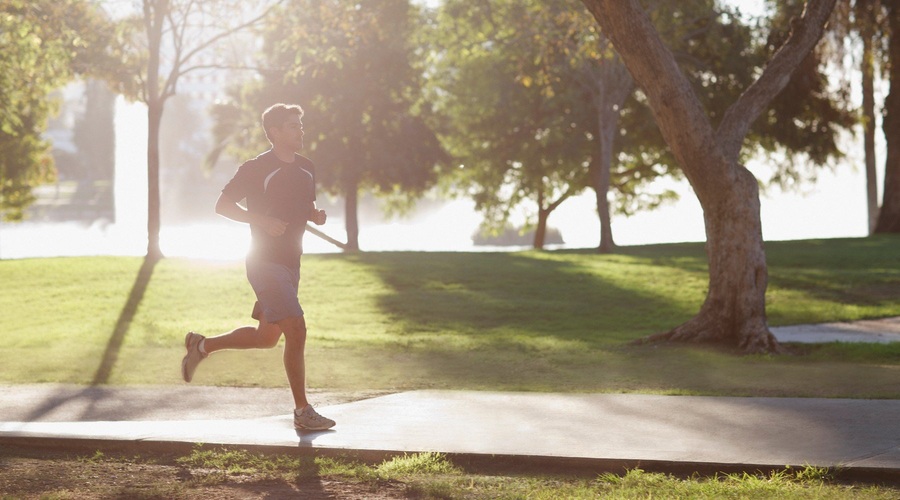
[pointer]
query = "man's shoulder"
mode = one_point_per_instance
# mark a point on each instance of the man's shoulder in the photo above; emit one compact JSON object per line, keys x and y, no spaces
{"x":263,"y":158}
{"x":259,"y":166}
{"x":306,"y":163}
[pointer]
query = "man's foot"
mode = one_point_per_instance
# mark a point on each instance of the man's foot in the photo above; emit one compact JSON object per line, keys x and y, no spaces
{"x":307,"y":419}
{"x":193,"y":356}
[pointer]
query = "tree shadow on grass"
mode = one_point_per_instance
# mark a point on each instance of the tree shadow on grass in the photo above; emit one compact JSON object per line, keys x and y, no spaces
{"x":863,"y":272}
{"x":110,"y":355}
{"x":114,"y":345}
{"x":504,"y":297}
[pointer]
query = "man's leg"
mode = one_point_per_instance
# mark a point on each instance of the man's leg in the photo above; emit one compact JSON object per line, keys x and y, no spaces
{"x":294,"y":357}
{"x":264,"y":336}
{"x":305,"y":417}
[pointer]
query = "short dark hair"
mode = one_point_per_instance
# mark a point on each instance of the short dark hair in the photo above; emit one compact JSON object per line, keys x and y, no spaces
{"x":276,"y":114}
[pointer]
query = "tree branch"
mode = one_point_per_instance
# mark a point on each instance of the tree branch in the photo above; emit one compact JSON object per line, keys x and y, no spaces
{"x":182,"y":58}
{"x":679,"y":114}
{"x":804,"y":36}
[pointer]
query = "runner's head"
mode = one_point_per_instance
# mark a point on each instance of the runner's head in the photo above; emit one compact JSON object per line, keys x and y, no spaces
{"x":277,"y":115}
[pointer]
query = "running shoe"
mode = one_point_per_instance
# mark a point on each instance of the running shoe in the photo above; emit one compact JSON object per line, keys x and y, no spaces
{"x":193,"y":356}
{"x":308,"y":420}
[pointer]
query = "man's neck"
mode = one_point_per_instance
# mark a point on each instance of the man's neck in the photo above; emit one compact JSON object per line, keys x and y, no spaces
{"x":284,"y":154}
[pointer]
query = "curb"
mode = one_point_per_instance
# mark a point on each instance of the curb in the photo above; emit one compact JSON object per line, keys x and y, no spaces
{"x":470,"y":462}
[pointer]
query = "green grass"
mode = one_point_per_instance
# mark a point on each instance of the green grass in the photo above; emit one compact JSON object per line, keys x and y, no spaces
{"x":432,"y":475}
{"x":526,"y":321}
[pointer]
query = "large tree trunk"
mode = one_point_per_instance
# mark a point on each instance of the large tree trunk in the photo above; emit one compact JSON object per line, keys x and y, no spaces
{"x":734,"y":312}
{"x":889,"y":215}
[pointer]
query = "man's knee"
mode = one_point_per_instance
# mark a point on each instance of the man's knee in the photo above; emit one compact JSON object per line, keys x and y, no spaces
{"x":294,"y":328}
{"x":269,"y":334}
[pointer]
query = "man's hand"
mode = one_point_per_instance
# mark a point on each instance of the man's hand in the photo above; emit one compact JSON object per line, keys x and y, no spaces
{"x":318,"y":217}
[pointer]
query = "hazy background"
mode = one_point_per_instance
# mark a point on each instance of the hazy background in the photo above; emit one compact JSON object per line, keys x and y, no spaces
{"x":90,"y":214}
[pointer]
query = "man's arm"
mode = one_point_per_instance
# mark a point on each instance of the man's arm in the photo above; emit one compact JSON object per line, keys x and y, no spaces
{"x":231,"y":210}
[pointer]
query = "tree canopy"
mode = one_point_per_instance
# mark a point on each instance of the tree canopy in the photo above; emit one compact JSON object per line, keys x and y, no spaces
{"x":44,"y":44}
{"x":358,"y":74}
{"x":522,"y":82}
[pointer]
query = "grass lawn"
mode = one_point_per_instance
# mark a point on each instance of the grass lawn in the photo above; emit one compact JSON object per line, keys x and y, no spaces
{"x":525,"y":321}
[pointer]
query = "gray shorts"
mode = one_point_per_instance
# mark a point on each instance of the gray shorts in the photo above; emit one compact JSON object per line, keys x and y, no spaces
{"x":276,"y":287}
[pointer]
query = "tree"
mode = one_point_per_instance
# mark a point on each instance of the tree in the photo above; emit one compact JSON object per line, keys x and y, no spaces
{"x":889,"y":215}
{"x":858,"y":34}
{"x":516,"y":122}
{"x":734,"y":311}
{"x":357,"y":74}
{"x":868,"y":23}
{"x":167,"y":41}
{"x":94,"y":135}
{"x":44,"y":44}
{"x":555,"y":49}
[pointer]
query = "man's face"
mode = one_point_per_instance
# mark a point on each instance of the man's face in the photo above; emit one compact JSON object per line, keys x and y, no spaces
{"x":290,"y":133}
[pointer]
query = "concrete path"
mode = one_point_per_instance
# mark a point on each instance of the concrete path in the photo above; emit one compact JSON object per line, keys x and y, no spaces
{"x":879,"y":331}
{"x":589,"y":431}
{"x":593,"y":430}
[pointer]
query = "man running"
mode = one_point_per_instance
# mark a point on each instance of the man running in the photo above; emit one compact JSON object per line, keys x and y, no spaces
{"x":280,"y":193}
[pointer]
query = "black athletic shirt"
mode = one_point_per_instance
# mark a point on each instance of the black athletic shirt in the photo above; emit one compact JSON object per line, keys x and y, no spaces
{"x":278,"y":189}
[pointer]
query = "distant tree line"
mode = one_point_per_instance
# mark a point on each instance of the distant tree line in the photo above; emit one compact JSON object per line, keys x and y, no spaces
{"x":519,"y":105}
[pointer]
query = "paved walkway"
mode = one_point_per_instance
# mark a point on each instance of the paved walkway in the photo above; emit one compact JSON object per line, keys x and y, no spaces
{"x":879,"y":331}
{"x":569,"y":431}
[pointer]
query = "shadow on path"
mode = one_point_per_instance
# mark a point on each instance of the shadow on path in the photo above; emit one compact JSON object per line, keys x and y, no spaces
{"x":125,"y":317}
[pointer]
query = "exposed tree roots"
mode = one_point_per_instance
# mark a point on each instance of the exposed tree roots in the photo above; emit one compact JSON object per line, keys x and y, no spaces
{"x":753,"y":337}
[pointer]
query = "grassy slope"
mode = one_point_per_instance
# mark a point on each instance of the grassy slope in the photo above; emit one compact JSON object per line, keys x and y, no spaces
{"x":546,"y":321}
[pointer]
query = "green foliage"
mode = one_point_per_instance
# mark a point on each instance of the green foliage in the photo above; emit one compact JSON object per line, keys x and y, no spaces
{"x":800,"y":129}
{"x":518,"y":122}
{"x":529,"y":91}
{"x":535,"y":321}
{"x":44,"y":44}
{"x":357,"y":72}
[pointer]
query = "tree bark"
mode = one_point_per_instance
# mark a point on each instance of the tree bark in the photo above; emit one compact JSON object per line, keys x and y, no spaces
{"x":734,"y":311}
{"x":540,"y":232}
{"x":600,"y":176}
{"x":889,"y":215}
{"x":351,"y":211}
{"x":600,"y":181}
{"x":154,"y":15}
{"x":154,"y":224}
{"x":868,"y":112}
{"x":610,"y":85}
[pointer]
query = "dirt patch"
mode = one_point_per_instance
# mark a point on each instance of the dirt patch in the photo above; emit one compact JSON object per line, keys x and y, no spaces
{"x":27,"y":473}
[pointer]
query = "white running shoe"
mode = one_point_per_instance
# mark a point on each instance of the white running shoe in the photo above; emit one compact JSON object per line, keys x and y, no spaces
{"x":308,"y":420}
